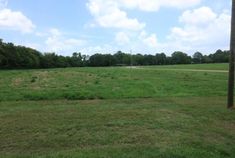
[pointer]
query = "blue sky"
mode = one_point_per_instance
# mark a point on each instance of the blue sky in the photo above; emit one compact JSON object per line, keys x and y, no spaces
{"x":106,"y":26}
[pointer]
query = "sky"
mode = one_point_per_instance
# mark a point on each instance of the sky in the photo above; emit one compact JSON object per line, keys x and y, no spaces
{"x":107,"y":26}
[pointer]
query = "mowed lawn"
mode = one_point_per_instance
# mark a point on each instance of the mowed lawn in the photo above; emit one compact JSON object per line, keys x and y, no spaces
{"x":116,"y":112}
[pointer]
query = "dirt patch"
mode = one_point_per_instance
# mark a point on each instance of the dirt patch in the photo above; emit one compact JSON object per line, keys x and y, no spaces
{"x":190,"y":70}
{"x":17,"y":82}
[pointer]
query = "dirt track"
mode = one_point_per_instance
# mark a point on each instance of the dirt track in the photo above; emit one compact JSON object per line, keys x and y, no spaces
{"x":191,"y":70}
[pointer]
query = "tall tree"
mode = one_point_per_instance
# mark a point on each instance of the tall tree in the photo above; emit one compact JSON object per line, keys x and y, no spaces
{"x":197,"y":58}
{"x":180,"y":58}
{"x":232,"y":60}
{"x":160,"y":59}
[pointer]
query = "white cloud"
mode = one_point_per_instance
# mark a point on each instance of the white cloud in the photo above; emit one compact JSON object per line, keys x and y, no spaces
{"x":32,"y":45}
{"x":122,"y":38}
{"x":15,"y":20}
{"x":3,"y":3}
{"x":107,"y":14}
{"x":104,"y":49}
{"x":148,"y":40}
{"x":56,"y":42}
{"x":111,"y":14}
{"x":203,"y":30}
{"x":41,"y":34}
{"x":155,"y":5}
{"x":151,"y":41}
{"x":200,"y":16}
{"x":179,"y":3}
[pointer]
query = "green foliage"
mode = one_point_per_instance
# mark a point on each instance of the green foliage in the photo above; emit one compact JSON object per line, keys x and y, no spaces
{"x":180,"y":58}
{"x":12,"y":57}
{"x":197,"y":58}
{"x":102,"y":60}
{"x":220,"y":56}
{"x":19,"y":57}
{"x":76,"y":60}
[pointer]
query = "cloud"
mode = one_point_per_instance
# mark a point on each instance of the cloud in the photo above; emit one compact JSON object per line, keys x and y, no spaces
{"x":32,"y":45}
{"x":103,"y":49}
{"x":111,"y":14}
{"x":56,"y":42}
{"x":3,"y":3}
{"x":15,"y":20}
{"x":122,"y":38}
{"x":107,"y":14}
{"x":195,"y":17}
{"x":202,"y":29}
{"x":149,"y":40}
{"x":155,"y":5}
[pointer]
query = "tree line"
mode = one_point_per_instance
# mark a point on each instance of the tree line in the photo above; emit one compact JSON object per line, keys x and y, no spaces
{"x":20,"y":57}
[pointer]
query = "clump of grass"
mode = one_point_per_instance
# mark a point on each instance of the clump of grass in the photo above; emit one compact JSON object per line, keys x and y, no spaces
{"x":81,"y":96}
{"x":33,"y":79}
{"x":36,"y":97}
{"x":100,"y":97}
{"x":78,"y":96}
{"x":72,"y":96}
{"x":186,"y":77}
{"x":97,"y":81}
{"x":91,"y":97}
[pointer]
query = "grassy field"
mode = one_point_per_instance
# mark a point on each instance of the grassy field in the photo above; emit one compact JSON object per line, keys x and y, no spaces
{"x":116,"y":112}
{"x":112,"y":83}
{"x":193,"y":66}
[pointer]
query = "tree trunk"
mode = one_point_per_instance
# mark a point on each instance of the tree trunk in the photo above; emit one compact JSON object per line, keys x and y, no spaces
{"x":232,"y":60}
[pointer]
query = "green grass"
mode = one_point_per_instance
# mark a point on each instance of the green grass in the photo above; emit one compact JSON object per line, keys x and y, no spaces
{"x":164,"y":127}
{"x":111,"y":83}
{"x":116,"y":112}
{"x":194,"y":66}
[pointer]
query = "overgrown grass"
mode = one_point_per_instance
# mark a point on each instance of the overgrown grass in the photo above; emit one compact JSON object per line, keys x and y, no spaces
{"x":116,"y":112}
{"x":111,"y":83}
